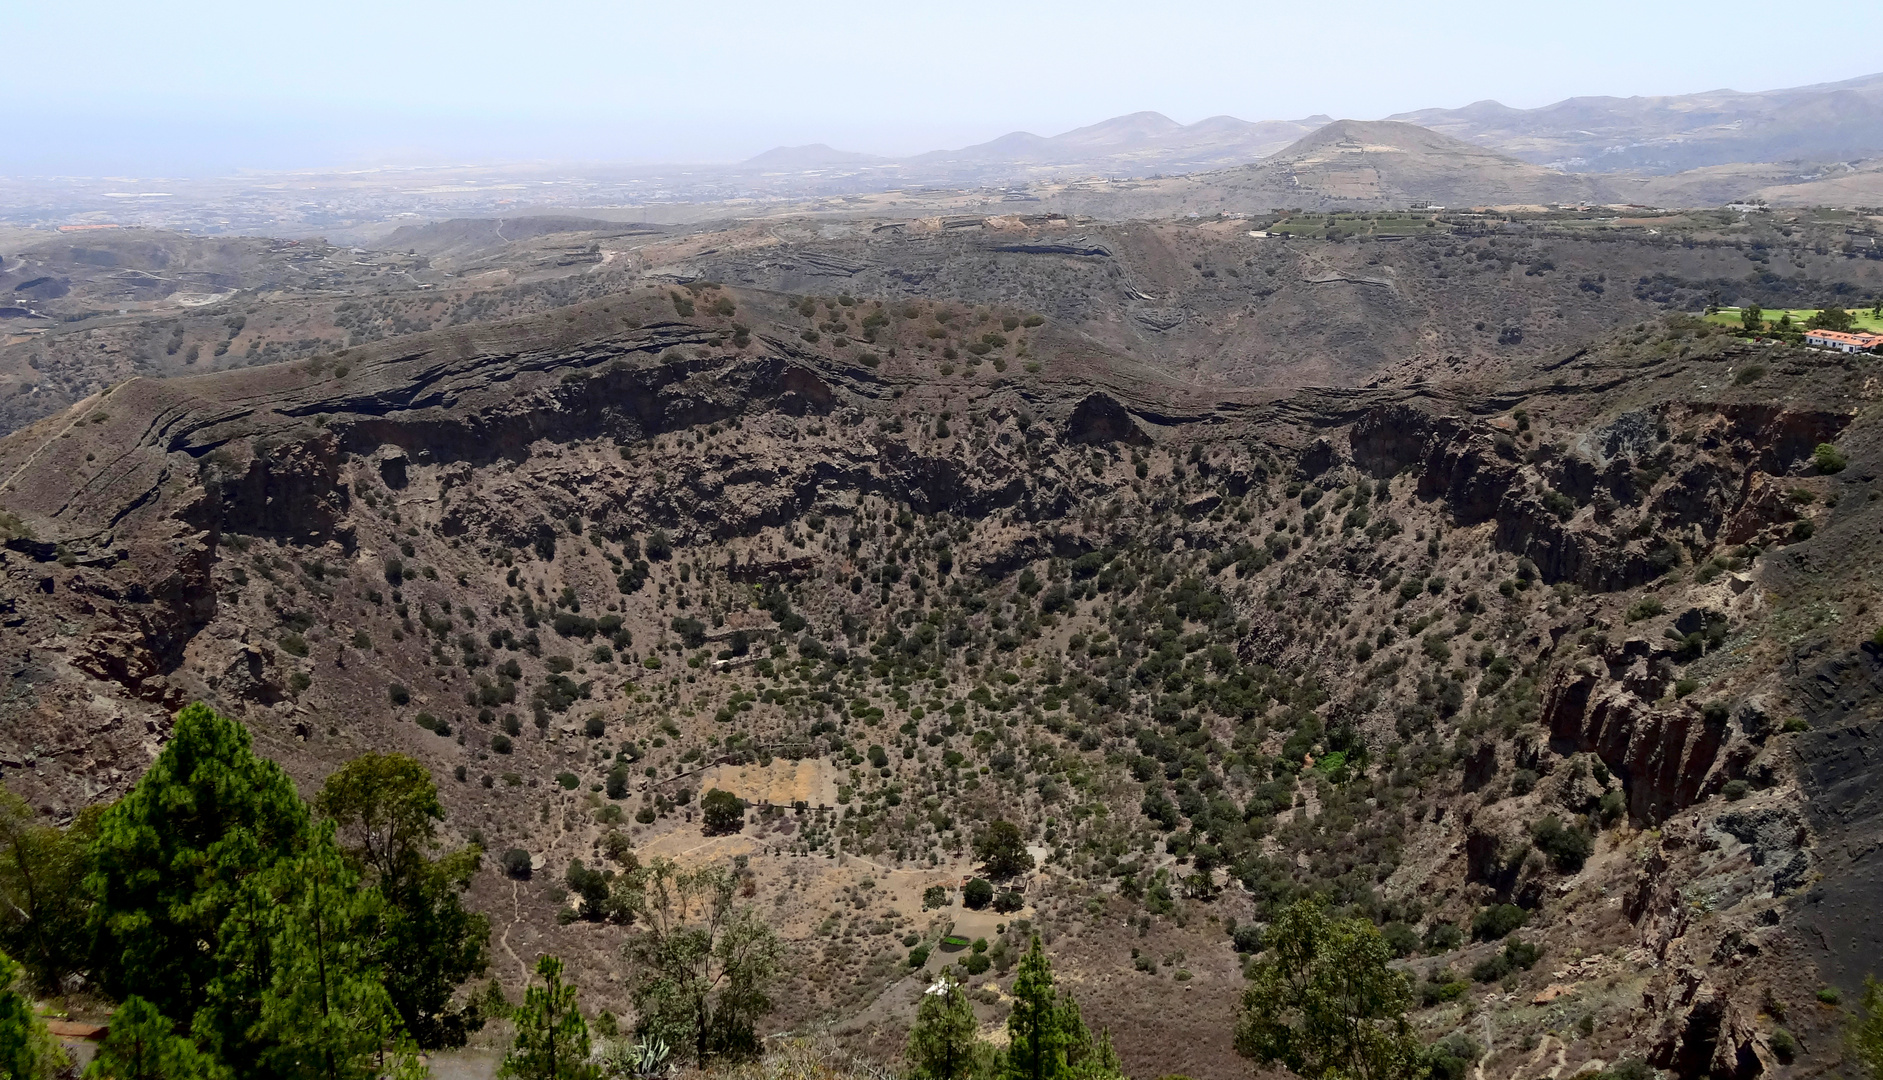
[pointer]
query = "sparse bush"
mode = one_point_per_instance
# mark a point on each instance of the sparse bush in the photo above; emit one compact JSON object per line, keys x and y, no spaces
{"x":1400,"y":938}
{"x":1443,"y":937}
{"x":1784,"y":1045}
{"x":1567,"y":848}
{"x":1612,"y":806}
{"x":1646,"y":608}
{"x":1496,"y":921}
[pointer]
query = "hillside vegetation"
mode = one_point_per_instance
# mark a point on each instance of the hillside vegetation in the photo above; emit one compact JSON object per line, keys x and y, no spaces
{"x":663,"y":677}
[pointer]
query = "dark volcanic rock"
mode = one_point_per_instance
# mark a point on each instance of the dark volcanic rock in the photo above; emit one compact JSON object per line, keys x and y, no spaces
{"x":1101,"y":418}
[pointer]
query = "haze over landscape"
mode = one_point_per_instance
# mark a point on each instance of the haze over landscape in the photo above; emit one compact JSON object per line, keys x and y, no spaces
{"x":996,"y":542}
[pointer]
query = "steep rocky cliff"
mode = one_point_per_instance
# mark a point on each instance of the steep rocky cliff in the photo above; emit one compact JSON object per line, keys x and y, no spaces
{"x":1592,"y":645}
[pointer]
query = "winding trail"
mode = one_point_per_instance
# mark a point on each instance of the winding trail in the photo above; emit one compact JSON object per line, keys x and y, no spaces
{"x":54,"y":438}
{"x":503,"y":939}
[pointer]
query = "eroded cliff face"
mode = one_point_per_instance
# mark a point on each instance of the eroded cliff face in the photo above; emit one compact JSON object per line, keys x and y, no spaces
{"x":1580,"y":605}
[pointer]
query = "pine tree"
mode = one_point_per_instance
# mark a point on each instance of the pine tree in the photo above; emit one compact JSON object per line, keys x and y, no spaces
{"x":143,"y":1044}
{"x":26,"y":1051}
{"x":1047,"y":1036}
{"x":170,"y":859}
{"x":944,"y":1044}
{"x":298,"y":994}
{"x":551,"y":1038}
{"x":386,"y":810}
{"x":1037,"y":1030}
{"x":1099,"y":1061}
{"x":326,"y":1012}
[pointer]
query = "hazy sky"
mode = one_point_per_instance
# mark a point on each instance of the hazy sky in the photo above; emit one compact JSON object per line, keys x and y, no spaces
{"x":193,"y":85}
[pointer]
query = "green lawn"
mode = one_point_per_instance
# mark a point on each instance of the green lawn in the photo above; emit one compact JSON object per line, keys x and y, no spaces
{"x":1864,"y":320}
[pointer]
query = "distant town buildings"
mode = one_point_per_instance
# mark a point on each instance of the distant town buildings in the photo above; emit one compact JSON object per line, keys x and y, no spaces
{"x":1842,"y":342}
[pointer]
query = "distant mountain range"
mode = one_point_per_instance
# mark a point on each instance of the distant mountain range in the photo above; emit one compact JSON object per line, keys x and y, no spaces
{"x":1643,"y":136}
{"x":1827,"y":122}
{"x":1138,"y":144}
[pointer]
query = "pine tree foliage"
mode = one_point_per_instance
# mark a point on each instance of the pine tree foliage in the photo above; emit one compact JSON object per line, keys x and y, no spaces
{"x":142,"y":1044}
{"x":325,"y":1012}
{"x":551,"y":1036}
{"x":1323,"y":1003}
{"x":945,"y":1042}
{"x":26,"y":1051}
{"x":1047,"y":1036}
{"x":171,"y":857}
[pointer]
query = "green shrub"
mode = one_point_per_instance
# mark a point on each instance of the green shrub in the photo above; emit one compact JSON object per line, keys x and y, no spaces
{"x":977,"y":894}
{"x":1452,"y":1057}
{"x":1515,"y":956}
{"x":1496,"y":921}
{"x":500,"y":744}
{"x":516,"y":863}
{"x":1829,"y":459}
{"x":1568,"y":848}
{"x":976,"y":963}
{"x":568,"y":780}
{"x":1612,"y":806}
{"x":1784,"y":1045}
{"x":1735,"y":790}
{"x":918,"y":956}
{"x":1646,"y":608}
{"x":1402,"y":939}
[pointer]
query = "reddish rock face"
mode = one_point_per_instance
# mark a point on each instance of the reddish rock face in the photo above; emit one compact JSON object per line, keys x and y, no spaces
{"x":1667,"y":757}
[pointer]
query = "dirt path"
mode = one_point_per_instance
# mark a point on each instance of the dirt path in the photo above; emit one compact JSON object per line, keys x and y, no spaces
{"x":96,"y":400}
{"x":503,"y":939}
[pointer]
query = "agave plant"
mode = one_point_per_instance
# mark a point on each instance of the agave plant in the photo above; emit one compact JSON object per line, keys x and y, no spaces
{"x":624,"y":1059}
{"x":654,"y":1056}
